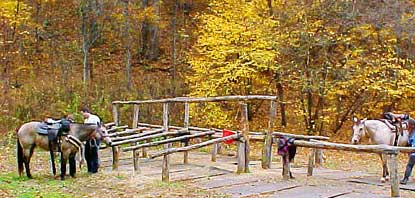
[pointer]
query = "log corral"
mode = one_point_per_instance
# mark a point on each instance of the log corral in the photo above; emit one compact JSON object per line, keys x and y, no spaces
{"x":143,"y":136}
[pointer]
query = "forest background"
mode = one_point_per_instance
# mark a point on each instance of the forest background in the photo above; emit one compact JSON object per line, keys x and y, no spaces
{"x":325,"y":60}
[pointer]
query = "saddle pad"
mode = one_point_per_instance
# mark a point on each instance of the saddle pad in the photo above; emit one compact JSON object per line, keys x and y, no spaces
{"x":44,"y":128}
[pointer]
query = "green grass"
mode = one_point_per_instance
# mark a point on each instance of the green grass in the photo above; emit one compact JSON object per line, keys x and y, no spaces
{"x":22,"y":187}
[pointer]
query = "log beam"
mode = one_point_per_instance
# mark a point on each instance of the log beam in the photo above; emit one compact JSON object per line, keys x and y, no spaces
{"x":194,"y":146}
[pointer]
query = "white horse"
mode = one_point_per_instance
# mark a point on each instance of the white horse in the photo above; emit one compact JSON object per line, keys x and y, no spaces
{"x":379,"y":133}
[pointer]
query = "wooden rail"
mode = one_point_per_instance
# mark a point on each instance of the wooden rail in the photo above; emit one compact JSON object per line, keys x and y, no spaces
{"x":201,"y":99}
{"x":170,"y":140}
{"x":243,"y":143}
{"x":391,"y":151}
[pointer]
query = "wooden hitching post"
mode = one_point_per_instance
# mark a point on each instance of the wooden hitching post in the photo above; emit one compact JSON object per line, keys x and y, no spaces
{"x":393,"y":166}
{"x":186,"y":126}
{"x":267,"y":150}
{"x":115,"y":149}
{"x":241,"y":155}
{"x":244,"y":145}
{"x":311,"y":158}
{"x":135,"y":152}
{"x":165,"y":177}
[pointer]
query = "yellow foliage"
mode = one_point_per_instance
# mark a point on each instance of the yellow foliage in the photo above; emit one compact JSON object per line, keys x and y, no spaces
{"x":14,"y":11}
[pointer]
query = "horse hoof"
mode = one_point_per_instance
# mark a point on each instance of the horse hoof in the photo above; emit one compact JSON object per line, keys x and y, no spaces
{"x":387,"y":178}
{"x":383,"y":180}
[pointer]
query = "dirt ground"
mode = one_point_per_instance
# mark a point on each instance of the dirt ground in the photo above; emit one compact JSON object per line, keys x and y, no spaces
{"x":203,"y":178}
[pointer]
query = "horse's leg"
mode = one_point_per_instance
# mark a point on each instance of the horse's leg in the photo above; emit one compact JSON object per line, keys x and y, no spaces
{"x":26,"y":159}
{"x":63,"y":165}
{"x":52,"y":158}
{"x":385,"y":172}
{"x":72,"y":164}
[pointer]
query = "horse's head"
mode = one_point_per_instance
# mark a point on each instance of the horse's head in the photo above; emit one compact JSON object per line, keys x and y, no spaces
{"x":358,"y":130}
{"x":102,"y":134}
{"x":86,"y":131}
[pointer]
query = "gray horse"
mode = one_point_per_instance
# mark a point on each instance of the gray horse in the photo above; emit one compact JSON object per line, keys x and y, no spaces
{"x":379,"y":133}
{"x":28,"y":139}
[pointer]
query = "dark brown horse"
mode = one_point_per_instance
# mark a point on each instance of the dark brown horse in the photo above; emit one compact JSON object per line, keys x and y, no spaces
{"x":28,"y":139}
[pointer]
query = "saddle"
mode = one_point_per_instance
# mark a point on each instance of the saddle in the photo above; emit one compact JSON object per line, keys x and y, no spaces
{"x":396,"y":127}
{"x":54,"y":129}
{"x":286,"y":147}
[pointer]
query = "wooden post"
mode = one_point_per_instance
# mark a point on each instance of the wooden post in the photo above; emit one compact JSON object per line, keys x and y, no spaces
{"x":115,"y":115}
{"x":285,"y":167}
{"x":115,"y":157}
{"x":241,"y":156}
{"x":393,"y":168}
{"x":245,"y":133}
{"x":165,"y":177}
{"x":214,"y":151}
{"x":135,"y":116}
{"x":115,"y":149}
{"x":186,"y":125}
{"x":144,"y":153}
{"x":267,"y":149}
{"x":135,"y":125}
{"x":311,"y":158}
{"x":136,"y":160}
{"x":219,"y":148}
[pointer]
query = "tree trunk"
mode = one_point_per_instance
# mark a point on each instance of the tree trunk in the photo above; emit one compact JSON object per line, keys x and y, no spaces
{"x":144,"y":32}
{"x":90,"y":12}
{"x":174,"y":54}
{"x":127,"y":43}
{"x":154,"y":51}
{"x":85,"y":41}
{"x":280,"y":93}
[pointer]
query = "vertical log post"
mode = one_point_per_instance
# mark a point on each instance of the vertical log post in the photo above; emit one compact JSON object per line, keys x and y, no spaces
{"x":285,"y":167}
{"x":214,"y":151}
{"x":135,"y":152}
{"x":241,"y":156}
{"x":115,"y":149}
{"x":311,"y":158}
{"x":393,"y":168}
{"x":165,"y":177}
{"x":245,"y":133}
{"x":267,"y":149}
{"x":186,"y":126}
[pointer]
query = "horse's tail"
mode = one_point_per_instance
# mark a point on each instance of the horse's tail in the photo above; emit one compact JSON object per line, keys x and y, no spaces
{"x":19,"y":158}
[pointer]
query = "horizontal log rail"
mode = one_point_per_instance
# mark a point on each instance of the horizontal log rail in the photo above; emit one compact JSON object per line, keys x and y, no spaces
{"x":303,"y":137}
{"x":145,"y":133}
{"x":355,"y":148}
{"x":176,"y":139}
{"x":147,"y":137}
{"x":110,"y":124}
{"x":195,"y":146}
{"x":117,"y":128}
{"x":128,"y":131}
{"x":202,"y":99}
{"x":173,"y":127}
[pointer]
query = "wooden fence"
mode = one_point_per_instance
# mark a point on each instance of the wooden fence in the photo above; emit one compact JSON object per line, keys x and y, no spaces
{"x":141,"y":132}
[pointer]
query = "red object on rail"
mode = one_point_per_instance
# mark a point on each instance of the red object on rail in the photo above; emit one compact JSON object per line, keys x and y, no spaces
{"x":226,"y":132}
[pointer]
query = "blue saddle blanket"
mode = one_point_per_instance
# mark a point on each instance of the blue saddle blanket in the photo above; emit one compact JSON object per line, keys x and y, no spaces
{"x":44,"y":128}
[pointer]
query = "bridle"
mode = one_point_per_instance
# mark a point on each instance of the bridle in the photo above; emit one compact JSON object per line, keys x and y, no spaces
{"x":362,"y":130}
